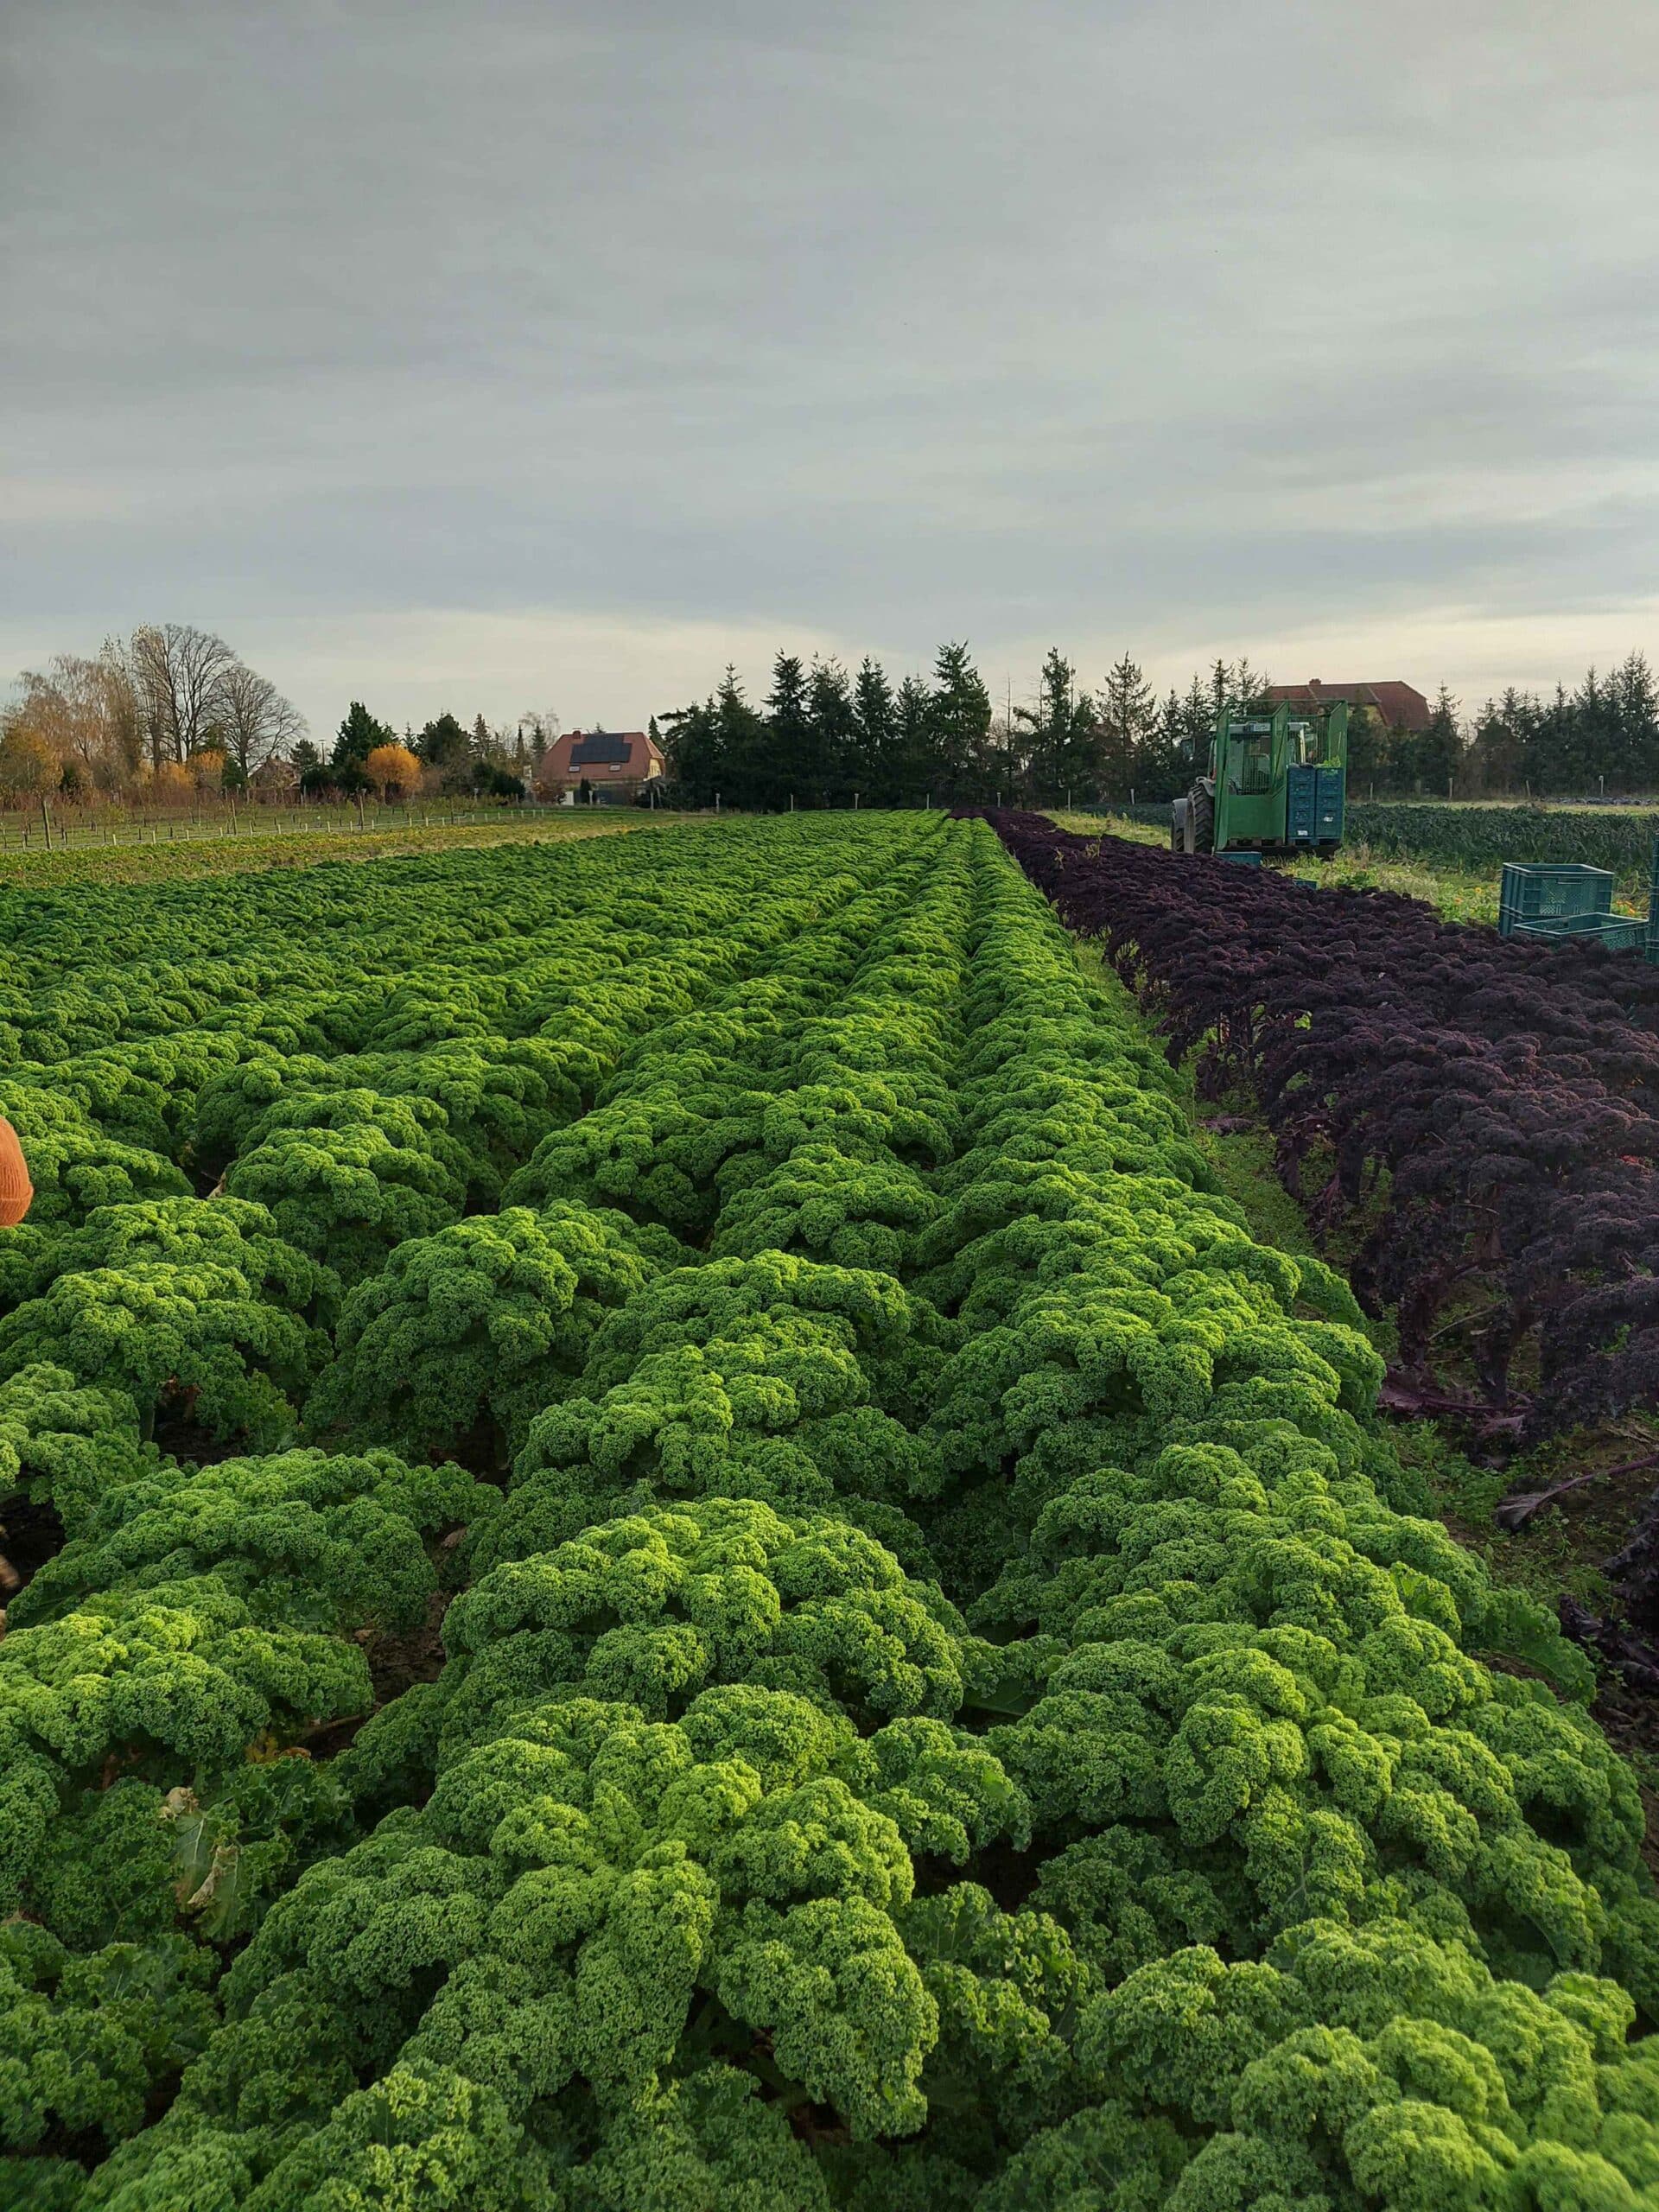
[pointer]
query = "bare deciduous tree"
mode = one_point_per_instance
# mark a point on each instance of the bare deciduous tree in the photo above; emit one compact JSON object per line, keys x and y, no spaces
{"x":253,"y":720}
{"x":177,"y":694}
{"x":86,"y":713}
{"x":180,"y":673}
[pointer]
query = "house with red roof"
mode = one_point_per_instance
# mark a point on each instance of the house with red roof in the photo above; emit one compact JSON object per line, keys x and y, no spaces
{"x":621,"y":761}
{"x":1400,"y":706}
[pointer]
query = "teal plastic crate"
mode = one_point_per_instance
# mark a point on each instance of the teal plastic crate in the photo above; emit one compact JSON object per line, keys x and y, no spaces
{"x":1244,"y":860}
{"x":1619,"y":932}
{"x":1544,"y":891}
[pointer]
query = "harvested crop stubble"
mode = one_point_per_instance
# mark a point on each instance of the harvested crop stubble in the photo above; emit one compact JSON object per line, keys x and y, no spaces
{"x":942,"y":1700}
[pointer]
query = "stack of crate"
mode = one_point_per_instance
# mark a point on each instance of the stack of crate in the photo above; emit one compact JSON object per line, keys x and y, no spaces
{"x":1559,"y":899}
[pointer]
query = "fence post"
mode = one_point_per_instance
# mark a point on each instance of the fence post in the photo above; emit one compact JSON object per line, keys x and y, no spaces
{"x":45,"y":822}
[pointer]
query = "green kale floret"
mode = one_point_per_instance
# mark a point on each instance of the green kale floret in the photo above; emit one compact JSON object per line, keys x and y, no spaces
{"x":488,"y":1321}
{"x":87,"y":2042}
{"x":63,"y":1443}
{"x":194,"y":1335}
{"x":601,"y":1878}
{"x":651,"y":1608}
{"x":306,"y":1539}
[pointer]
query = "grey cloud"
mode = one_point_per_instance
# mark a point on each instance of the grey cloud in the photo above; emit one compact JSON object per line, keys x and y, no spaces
{"x":1115,"y":322}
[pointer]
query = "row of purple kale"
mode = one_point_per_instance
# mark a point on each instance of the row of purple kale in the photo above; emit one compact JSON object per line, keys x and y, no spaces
{"x":1488,"y":1109}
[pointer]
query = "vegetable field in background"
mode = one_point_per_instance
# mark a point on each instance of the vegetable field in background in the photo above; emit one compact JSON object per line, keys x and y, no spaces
{"x":1485,"y":836}
{"x":255,"y":847}
{"x":672,"y":1553}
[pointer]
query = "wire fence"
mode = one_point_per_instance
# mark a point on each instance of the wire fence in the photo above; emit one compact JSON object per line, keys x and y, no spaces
{"x":50,"y":827}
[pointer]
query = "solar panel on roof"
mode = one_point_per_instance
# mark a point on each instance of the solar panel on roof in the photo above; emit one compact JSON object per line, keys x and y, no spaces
{"x":600,"y":751}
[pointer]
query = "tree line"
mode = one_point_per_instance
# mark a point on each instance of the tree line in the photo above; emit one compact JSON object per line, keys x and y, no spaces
{"x":173,"y":713}
{"x":821,"y":737}
{"x":1603,"y":735}
{"x":174,"y":710}
{"x":172,"y":707}
{"x":443,"y":756}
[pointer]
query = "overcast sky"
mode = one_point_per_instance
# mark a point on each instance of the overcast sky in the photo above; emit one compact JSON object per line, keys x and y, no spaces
{"x":495,"y":356}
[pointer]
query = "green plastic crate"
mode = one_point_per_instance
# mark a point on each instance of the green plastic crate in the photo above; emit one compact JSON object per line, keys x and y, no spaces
{"x":1543,"y":891}
{"x":1619,"y":932}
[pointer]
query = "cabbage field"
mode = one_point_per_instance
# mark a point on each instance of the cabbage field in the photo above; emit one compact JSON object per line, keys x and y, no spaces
{"x":671,"y":1553}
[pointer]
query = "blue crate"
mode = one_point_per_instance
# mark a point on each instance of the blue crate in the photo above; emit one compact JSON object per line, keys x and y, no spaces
{"x":1619,"y":932}
{"x":1540,"y":891}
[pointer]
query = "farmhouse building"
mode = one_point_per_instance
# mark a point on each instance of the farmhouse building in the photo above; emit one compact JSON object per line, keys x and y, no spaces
{"x":619,"y":761}
{"x":1400,"y":706}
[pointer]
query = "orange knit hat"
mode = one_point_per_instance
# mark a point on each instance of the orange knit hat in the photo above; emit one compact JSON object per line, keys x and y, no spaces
{"x":16,"y":1192}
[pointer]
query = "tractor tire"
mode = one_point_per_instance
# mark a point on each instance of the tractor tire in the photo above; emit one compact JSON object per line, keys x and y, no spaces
{"x":1201,"y":821}
{"x":1178,"y":826}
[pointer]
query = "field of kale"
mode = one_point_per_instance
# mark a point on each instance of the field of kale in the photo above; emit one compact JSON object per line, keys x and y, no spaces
{"x":1619,"y":838}
{"x":670,"y":1552}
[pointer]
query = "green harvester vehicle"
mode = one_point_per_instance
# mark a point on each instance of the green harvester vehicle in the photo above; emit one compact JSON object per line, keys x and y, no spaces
{"x":1274,"y":786}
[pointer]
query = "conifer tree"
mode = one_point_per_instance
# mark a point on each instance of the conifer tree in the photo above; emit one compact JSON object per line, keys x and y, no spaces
{"x":876,"y":771}
{"x":1128,"y":716}
{"x":356,"y":737}
{"x":1163,"y":767}
{"x":914,"y":754}
{"x":787,"y":764}
{"x":1065,"y":736}
{"x":832,"y":733}
{"x":959,"y":724}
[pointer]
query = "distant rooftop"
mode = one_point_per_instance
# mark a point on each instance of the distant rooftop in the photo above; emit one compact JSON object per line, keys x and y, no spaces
{"x":601,"y":748}
{"x":1401,"y":706}
{"x":609,"y":756}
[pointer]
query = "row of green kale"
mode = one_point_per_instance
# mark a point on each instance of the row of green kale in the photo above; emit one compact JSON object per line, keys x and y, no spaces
{"x":725,"y":1854}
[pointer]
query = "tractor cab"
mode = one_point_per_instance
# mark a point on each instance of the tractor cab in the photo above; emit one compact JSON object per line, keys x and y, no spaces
{"x":1274,"y":785}
{"x":1248,"y":747}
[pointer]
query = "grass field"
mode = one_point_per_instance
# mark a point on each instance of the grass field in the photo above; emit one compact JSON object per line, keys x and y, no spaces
{"x":200,"y":857}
